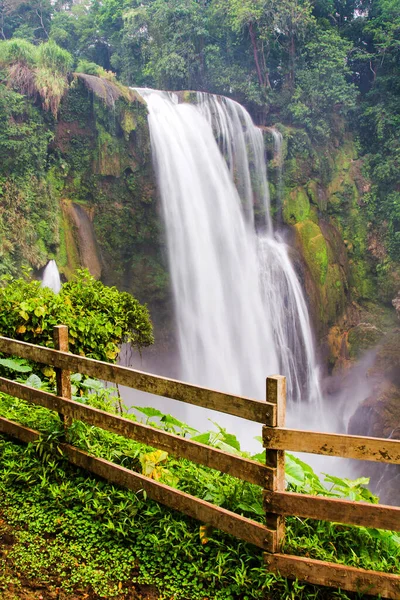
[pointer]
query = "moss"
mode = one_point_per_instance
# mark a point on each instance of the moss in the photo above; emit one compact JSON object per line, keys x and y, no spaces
{"x":362,"y":280}
{"x":314,"y":249}
{"x":363,"y":337}
{"x":76,"y":106}
{"x":68,"y":255}
{"x":188,"y":96}
{"x":312,"y":191}
{"x":62,"y":256}
{"x":313,"y":216}
{"x":296,"y":207}
{"x":334,"y":293}
{"x":342,"y":190}
{"x":128,"y":122}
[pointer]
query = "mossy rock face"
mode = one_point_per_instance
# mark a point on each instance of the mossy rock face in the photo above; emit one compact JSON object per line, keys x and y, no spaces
{"x":296,"y":207}
{"x":128,"y":122}
{"x":363,"y":337}
{"x":387,"y":362}
{"x":187,"y":96}
{"x":364,"y":286}
{"x":335,"y":293}
{"x":314,"y":249}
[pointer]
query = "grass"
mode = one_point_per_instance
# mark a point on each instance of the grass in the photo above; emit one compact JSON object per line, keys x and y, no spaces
{"x":76,"y":532}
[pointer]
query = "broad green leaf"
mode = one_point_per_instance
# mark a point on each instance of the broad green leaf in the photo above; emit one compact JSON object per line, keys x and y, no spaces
{"x":93,"y":384}
{"x":294,"y":471}
{"x":76,"y":377}
{"x":227,"y":448}
{"x":148,"y":411}
{"x":14,"y":365}
{"x":203,"y":438}
{"x":34,"y":381}
{"x":170,"y":420}
{"x":255,"y":508}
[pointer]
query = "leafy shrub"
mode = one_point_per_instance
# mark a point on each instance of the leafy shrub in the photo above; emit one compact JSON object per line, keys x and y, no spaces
{"x":52,"y":57}
{"x":99,"y":318}
{"x":36,"y":71}
{"x":18,"y":51}
{"x":90,"y":68}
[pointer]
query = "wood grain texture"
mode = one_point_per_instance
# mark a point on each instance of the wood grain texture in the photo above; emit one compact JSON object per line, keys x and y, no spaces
{"x":329,"y":509}
{"x":63,"y":377}
{"x":237,"y":466}
{"x":246,"y":408}
{"x":334,"y":575}
{"x":275,"y":459}
{"x":333,"y":444}
{"x":18,"y":431}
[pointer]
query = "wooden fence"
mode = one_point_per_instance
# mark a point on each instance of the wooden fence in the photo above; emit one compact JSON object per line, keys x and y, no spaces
{"x":271,"y":476}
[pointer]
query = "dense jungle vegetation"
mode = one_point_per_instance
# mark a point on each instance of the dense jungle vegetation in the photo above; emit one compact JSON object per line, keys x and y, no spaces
{"x":67,"y":534}
{"x":328,"y":66}
{"x":326,"y":73}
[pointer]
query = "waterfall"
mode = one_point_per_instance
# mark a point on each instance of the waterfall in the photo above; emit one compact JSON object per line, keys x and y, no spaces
{"x":240,"y":311}
{"x":51,"y":277}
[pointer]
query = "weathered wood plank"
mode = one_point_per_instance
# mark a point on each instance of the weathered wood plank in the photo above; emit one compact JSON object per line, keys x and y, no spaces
{"x":334,"y":575}
{"x":246,"y":408}
{"x":237,"y":466}
{"x":330,"y":509}
{"x":241,"y":527}
{"x":18,"y":431}
{"x":63,"y":379}
{"x":275,"y":459}
{"x":333,"y":444}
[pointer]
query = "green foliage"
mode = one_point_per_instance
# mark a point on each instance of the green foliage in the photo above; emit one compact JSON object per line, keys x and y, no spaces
{"x":18,"y":51}
{"x":76,"y":532}
{"x":55,"y":59}
{"x":99,"y":318}
{"x":23,"y":136}
{"x":33,"y":70}
{"x":322,"y":89}
{"x":90,"y":68}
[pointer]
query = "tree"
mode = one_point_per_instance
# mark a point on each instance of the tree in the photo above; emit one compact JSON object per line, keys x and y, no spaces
{"x":322,"y":88}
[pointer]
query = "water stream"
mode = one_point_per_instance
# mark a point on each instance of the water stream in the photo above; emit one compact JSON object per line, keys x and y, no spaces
{"x":51,"y":277}
{"x":240,"y":310}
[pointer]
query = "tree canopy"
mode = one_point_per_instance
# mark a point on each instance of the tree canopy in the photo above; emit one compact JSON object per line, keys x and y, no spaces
{"x":328,"y":66}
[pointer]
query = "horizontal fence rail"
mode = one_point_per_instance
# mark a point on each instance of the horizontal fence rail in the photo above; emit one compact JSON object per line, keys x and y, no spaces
{"x":348,"y":512}
{"x":333,"y":444}
{"x":237,"y":466}
{"x":277,"y":439}
{"x":320,"y":572}
{"x":246,"y":408}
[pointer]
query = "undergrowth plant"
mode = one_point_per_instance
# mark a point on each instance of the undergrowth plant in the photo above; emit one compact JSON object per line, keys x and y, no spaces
{"x":76,"y":531}
{"x":37,"y":70}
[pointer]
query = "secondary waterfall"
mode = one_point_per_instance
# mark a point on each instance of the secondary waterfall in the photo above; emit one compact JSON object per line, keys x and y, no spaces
{"x":51,"y":277}
{"x":239,"y":306}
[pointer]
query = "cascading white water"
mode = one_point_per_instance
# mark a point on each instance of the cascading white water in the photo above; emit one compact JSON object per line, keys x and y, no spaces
{"x":51,"y":277}
{"x":239,"y":307}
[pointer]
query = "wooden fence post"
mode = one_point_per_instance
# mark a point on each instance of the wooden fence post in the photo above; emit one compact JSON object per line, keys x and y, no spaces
{"x":276,"y":394}
{"x":63,"y":380}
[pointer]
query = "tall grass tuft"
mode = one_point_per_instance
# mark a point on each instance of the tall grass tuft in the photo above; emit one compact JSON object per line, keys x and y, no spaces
{"x":51,"y":87}
{"x":53,"y":58}
{"x":34,"y":71}
{"x":18,"y":51}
